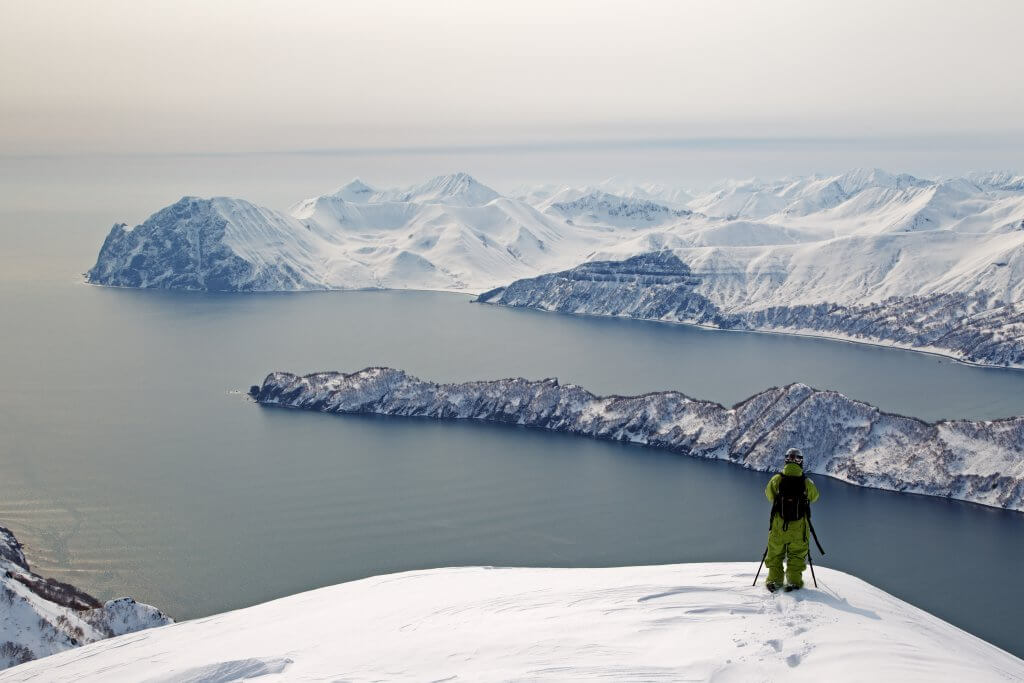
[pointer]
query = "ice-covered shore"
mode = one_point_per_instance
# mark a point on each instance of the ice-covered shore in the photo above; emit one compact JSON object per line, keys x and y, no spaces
{"x":673,"y":622}
{"x":978,"y":461}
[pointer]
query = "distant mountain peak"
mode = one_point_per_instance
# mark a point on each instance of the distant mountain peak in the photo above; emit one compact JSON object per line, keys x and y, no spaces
{"x":357,"y":185}
{"x":458,"y":188}
{"x":998,"y":180}
{"x":859,"y":179}
{"x":355,"y":190}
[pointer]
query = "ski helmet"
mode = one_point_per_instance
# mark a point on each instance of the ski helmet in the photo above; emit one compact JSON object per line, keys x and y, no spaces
{"x":794,"y":455}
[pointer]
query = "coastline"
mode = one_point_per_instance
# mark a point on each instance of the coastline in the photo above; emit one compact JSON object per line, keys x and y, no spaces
{"x":811,"y":334}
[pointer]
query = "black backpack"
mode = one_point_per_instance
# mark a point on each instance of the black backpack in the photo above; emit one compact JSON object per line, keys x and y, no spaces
{"x":791,"y":504}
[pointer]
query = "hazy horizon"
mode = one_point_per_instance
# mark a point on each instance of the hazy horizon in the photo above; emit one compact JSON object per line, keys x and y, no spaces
{"x":103,"y":103}
{"x":222,"y":77}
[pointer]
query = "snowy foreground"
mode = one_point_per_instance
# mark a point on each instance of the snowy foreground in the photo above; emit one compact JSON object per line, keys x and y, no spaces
{"x":930,"y":264}
{"x":674,"y":622}
{"x":981,"y":461}
{"x":39,"y":617}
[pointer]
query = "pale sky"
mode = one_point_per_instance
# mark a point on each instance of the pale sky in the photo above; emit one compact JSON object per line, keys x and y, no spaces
{"x":137,"y":76}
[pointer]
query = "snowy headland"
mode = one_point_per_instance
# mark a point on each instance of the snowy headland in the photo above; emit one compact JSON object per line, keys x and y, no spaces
{"x":928,"y":264}
{"x":40,"y":617}
{"x":977,"y":461}
{"x":674,"y":622}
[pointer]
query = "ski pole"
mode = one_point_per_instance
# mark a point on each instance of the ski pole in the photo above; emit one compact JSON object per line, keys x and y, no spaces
{"x":816,"y":541}
{"x":811,"y":562}
{"x":761,"y":565}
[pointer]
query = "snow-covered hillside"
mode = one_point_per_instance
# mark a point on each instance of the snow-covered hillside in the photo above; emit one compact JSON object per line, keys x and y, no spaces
{"x":978,"y":461}
{"x":675,"y":622}
{"x":40,"y":617}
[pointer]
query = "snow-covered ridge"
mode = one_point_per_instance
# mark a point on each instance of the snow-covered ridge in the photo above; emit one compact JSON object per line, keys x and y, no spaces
{"x":40,"y":617}
{"x":977,"y":461}
{"x":974,"y":327}
{"x":454,"y":233}
{"x":450,"y":233}
{"x":602,"y":208}
{"x":674,"y":622}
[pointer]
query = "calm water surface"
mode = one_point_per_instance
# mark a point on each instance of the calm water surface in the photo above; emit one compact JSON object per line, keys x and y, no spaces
{"x":128,"y":466}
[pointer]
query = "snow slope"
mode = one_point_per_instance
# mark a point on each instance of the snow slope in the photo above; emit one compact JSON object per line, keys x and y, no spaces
{"x":674,"y":622}
{"x":40,"y":617}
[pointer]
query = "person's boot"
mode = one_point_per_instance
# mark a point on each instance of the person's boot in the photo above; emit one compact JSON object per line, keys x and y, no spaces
{"x":771,"y":586}
{"x":792,"y":587}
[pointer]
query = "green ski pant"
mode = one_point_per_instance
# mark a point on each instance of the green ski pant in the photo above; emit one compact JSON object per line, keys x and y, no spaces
{"x":789,"y":544}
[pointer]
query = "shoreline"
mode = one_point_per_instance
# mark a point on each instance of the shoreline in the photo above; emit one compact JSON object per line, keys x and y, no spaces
{"x":928,"y":351}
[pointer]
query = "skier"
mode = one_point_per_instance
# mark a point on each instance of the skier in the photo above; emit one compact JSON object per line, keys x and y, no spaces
{"x":790,"y":494}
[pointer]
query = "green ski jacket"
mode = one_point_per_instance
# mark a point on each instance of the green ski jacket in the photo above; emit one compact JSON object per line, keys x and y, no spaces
{"x":793,"y":470}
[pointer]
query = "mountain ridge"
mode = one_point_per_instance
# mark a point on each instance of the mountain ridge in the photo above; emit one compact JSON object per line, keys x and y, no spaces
{"x":976,"y":461}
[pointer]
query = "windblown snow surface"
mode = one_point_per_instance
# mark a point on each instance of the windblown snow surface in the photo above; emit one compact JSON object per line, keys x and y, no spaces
{"x":977,"y":461}
{"x":935,"y":265}
{"x":677,"y":622}
{"x":40,"y":617}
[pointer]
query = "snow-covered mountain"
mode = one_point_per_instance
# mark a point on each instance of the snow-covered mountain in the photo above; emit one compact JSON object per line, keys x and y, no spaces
{"x":865,"y":256}
{"x":40,"y":617}
{"x":450,"y":233}
{"x":682,"y":622}
{"x":772,"y":252}
{"x":454,"y":233}
{"x":977,"y":461}
{"x":601,"y":208}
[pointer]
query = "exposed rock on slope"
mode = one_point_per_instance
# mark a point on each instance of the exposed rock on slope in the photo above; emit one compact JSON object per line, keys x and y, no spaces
{"x":212,"y":245}
{"x":981,"y":461}
{"x":40,"y":617}
{"x":650,"y":286}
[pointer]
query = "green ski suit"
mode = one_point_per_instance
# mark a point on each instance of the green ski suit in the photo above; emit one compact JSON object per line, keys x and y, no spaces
{"x":789,"y":543}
